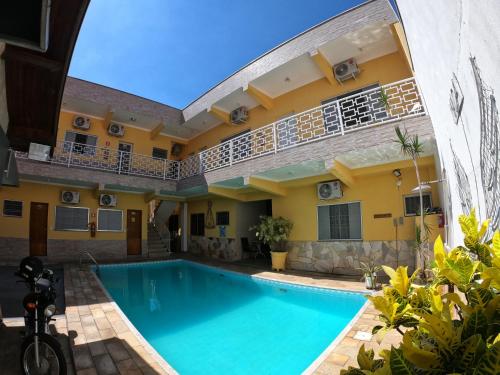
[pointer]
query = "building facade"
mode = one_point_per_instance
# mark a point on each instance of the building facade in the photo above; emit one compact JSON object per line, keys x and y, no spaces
{"x":305,"y":132}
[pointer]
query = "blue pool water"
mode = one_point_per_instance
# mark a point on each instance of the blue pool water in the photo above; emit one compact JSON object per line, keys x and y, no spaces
{"x":203,"y":320}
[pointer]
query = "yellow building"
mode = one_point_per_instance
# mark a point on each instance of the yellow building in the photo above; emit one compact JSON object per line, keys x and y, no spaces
{"x":305,"y":132}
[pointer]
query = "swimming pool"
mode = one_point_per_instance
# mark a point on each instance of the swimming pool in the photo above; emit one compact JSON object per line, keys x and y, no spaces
{"x":203,"y":320}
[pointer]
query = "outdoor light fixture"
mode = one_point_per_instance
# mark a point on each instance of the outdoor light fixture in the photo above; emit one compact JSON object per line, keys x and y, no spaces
{"x":425,"y":186}
{"x":397,"y":173}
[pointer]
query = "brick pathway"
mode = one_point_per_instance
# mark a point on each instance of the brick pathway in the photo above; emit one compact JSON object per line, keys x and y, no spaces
{"x":104,"y":342}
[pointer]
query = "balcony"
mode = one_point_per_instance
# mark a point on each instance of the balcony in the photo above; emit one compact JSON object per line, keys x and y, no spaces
{"x":72,"y":154}
{"x":338,"y":118}
{"x":377,"y":106}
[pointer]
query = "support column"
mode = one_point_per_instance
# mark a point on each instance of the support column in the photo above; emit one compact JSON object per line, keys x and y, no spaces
{"x":184,"y":227}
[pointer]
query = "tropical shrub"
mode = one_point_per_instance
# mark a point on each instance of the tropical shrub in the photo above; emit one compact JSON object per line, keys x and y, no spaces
{"x":451,"y":326}
{"x":273,"y":231}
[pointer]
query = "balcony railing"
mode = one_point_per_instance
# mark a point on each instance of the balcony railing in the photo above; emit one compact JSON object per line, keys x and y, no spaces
{"x":72,"y":154}
{"x":387,"y":103}
{"x":376,"y":106}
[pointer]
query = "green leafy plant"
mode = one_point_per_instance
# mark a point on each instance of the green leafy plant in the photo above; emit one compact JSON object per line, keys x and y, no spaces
{"x":369,"y":270}
{"x":273,"y":232}
{"x":451,"y":326}
{"x":412,"y":148}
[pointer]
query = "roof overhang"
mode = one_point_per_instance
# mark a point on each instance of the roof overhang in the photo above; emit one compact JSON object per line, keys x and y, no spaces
{"x":35,"y":80}
{"x":362,"y":32}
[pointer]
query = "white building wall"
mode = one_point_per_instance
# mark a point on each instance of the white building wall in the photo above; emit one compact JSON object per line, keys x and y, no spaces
{"x":461,"y":38}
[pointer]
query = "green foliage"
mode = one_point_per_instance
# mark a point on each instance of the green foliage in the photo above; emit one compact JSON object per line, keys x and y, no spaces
{"x":454,"y":332}
{"x":273,"y":231}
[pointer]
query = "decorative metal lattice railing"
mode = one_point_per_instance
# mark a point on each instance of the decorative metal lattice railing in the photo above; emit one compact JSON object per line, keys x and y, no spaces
{"x":387,"y":103}
{"x":72,"y":154}
{"x":376,"y":106}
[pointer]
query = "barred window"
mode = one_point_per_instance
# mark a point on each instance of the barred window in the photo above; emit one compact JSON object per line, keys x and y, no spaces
{"x":412,"y":204}
{"x":339,"y":222}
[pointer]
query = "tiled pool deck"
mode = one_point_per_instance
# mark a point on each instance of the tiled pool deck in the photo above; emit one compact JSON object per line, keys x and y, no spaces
{"x":104,"y":342}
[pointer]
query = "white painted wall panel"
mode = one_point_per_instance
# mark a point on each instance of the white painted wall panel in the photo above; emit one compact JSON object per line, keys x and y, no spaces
{"x":445,"y":38}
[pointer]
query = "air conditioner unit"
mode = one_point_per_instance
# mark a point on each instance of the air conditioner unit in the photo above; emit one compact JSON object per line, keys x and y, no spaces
{"x":81,"y":122}
{"x":346,"y":70}
{"x":116,"y":130}
{"x":39,"y":152}
{"x":239,"y":115}
{"x":70,"y":197}
{"x":176,"y":149}
{"x":108,"y":200}
{"x":330,"y":190}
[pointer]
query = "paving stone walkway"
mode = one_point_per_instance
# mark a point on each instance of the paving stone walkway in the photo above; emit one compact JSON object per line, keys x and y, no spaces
{"x":104,"y":342}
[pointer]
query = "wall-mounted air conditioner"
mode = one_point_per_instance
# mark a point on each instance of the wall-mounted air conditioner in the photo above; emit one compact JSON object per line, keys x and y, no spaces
{"x":81,"y":122}
{"x":346,"y":70}
{"x":70,"y":197}
{"x":116,"y":130}
{"x":239,"y":115}
{"x":107,"y":200}
{"x":329,"y":190}
{"x":39,"y":152}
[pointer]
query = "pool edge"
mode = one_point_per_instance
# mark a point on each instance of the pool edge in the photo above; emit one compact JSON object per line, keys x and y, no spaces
{"x":159,"y":359}
{"x":309,"y":370}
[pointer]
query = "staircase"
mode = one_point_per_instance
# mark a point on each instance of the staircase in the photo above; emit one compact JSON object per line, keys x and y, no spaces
{"x":157,"y":247}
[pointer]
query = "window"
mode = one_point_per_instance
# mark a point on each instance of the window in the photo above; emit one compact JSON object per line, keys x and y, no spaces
{"x":412,"y":204}
{"x":222,"y":218}
{"x":160,"y":153}
{"x":339,"y":222}
{"x":197,"y":224}
{"x":84,"y":143}
{"x":12,"y":208}
{"x":72,"y":218}
{"x":109,"y":220}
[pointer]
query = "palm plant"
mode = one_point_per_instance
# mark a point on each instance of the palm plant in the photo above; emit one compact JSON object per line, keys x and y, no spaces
{"x":413,"y":148}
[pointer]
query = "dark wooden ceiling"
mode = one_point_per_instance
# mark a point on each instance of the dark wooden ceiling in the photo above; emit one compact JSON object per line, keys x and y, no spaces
{"x":35,"y":80}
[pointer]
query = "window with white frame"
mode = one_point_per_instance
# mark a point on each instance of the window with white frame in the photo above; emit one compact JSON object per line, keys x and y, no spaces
{"x":339,"y":221}
{"x":109,"y":220}
{"x":72,"y":218}
{"x":412,"y":204}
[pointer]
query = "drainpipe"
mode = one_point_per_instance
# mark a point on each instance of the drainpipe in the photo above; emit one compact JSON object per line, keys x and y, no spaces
{"x":184,"y":227}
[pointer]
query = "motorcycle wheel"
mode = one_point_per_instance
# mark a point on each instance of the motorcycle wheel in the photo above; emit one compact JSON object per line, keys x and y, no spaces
{"x":52,"y":360}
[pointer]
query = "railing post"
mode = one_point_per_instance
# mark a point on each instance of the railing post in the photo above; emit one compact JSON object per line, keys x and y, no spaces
{"x":70,"y":152}
{"x":339,"y":114}
{"x":120,"y":162}
{"x":275,"y":139}
{"x":231,"y":152}
{"x":164,"y":168}
{"x":200,"y":155}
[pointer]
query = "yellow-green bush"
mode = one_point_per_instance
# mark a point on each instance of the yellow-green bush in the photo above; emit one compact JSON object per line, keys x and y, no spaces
{"x":451,"y":326}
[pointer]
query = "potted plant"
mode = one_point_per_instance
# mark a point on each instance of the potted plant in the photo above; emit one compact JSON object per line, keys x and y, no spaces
{"x":370,"y":270}
{"x":274,"y":232}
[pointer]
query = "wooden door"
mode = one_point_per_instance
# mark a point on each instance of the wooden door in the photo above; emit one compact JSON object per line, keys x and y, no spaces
{"x":134,"y":232}
{"x":38,"y":228}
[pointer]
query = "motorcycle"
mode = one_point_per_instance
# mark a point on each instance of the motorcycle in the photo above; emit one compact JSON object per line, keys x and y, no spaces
{"x":41,"y":353}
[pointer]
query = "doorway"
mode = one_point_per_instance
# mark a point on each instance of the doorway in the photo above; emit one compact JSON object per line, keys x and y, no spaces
{"x":134,"y":232}
{"x":254,"y":252}
{"x":126,"y":156}
{"x":38,"y":228}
